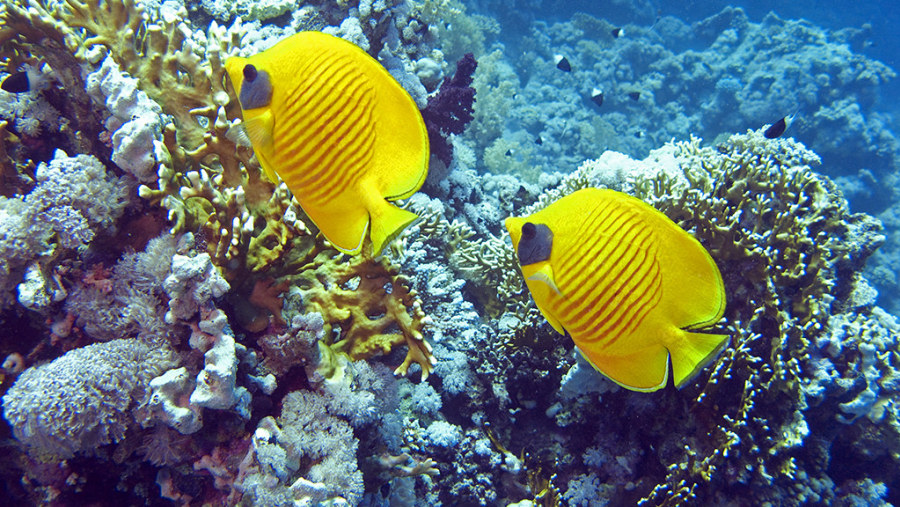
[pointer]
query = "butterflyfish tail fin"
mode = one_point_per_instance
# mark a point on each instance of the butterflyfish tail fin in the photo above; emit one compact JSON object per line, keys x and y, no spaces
{"x":692,"y":352}
{"x":386,"y":221}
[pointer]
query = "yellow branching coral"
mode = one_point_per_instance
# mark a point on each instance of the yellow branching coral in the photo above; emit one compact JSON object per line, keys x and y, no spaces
{"x":211,"y":184}
{"x":185,"y":79}
{"x":780,"y":233}
{"x":371,"y":303}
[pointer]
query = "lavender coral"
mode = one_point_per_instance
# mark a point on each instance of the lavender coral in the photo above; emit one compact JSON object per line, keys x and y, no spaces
{"x":84,"y":399}
{"x":451,"y":109}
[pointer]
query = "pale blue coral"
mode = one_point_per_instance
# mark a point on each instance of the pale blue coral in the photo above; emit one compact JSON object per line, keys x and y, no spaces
{"x":73,"y":200}
{"x":87,"y":398}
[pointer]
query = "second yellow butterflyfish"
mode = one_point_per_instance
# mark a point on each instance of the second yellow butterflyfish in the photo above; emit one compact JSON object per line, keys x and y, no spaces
{"x":340,"y":131}
{"x":630,"y":287}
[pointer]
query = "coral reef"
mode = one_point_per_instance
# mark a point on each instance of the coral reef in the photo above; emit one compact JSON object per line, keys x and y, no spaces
{"x":83,"y":400}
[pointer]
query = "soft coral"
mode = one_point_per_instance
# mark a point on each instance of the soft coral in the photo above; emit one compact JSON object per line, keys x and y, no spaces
{"x":450,"y":110}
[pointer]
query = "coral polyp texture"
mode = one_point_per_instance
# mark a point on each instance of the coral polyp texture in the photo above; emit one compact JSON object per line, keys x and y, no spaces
{"x":175,"y":329}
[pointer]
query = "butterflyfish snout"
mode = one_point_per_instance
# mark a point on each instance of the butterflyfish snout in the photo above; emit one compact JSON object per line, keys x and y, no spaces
{"x":338,"y":129}
{"x":628,"y":285}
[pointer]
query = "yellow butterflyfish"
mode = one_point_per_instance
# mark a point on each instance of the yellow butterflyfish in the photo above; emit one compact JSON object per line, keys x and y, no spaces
{"x":339,"y":130}
{"x":630,"y":287}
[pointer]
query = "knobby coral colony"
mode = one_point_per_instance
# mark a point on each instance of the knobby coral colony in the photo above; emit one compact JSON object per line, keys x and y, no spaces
{"x":758,"y":423}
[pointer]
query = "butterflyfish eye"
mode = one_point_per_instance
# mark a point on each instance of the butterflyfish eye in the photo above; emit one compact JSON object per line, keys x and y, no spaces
{"x":536,"y":243}
{"x":256,"y":90}
{"x":528,"y":230}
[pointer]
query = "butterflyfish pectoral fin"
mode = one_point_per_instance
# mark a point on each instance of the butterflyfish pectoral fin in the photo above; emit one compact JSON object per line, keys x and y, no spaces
{"x":545,"y":275}
{"x":259,"y":129}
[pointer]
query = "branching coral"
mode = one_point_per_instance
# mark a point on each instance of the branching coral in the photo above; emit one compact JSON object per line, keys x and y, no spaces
{"x":755,"y":423}
{"x":785,"y":243}
{"x":372,"y":305}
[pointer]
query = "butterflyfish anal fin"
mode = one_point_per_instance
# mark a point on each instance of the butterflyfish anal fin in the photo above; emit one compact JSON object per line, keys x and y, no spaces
{"x":646,"y":370}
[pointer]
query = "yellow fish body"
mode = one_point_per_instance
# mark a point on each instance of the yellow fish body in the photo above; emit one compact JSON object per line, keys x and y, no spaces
{"x":339,"y":130}
{"x":628,"y":284}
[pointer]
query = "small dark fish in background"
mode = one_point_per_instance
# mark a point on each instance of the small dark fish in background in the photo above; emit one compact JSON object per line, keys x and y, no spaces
{"x":509,"y":153}
{"x":538,"y":141}
{"x":597,"y":97}
{"x":562,"y":63}
{"x":17,"y":82}
{"x":778,"y":128}
{"x":617,"y":32}
{"x":634,"y":95}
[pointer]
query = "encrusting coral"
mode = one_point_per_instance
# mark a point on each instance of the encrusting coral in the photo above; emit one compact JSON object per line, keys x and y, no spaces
{"x":82,"y":400}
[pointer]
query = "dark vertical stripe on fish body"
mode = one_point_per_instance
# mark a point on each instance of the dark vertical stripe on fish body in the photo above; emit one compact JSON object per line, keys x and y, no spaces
{"x":327,"y":138}
{"x":607,"y":305}
{"x":572,"y":259}
{"x":599,"y":261}
{"x":641,"y":306}
{"x":330,"y":126}
{"x":614,"y":283}
{"x":600,"y":308}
